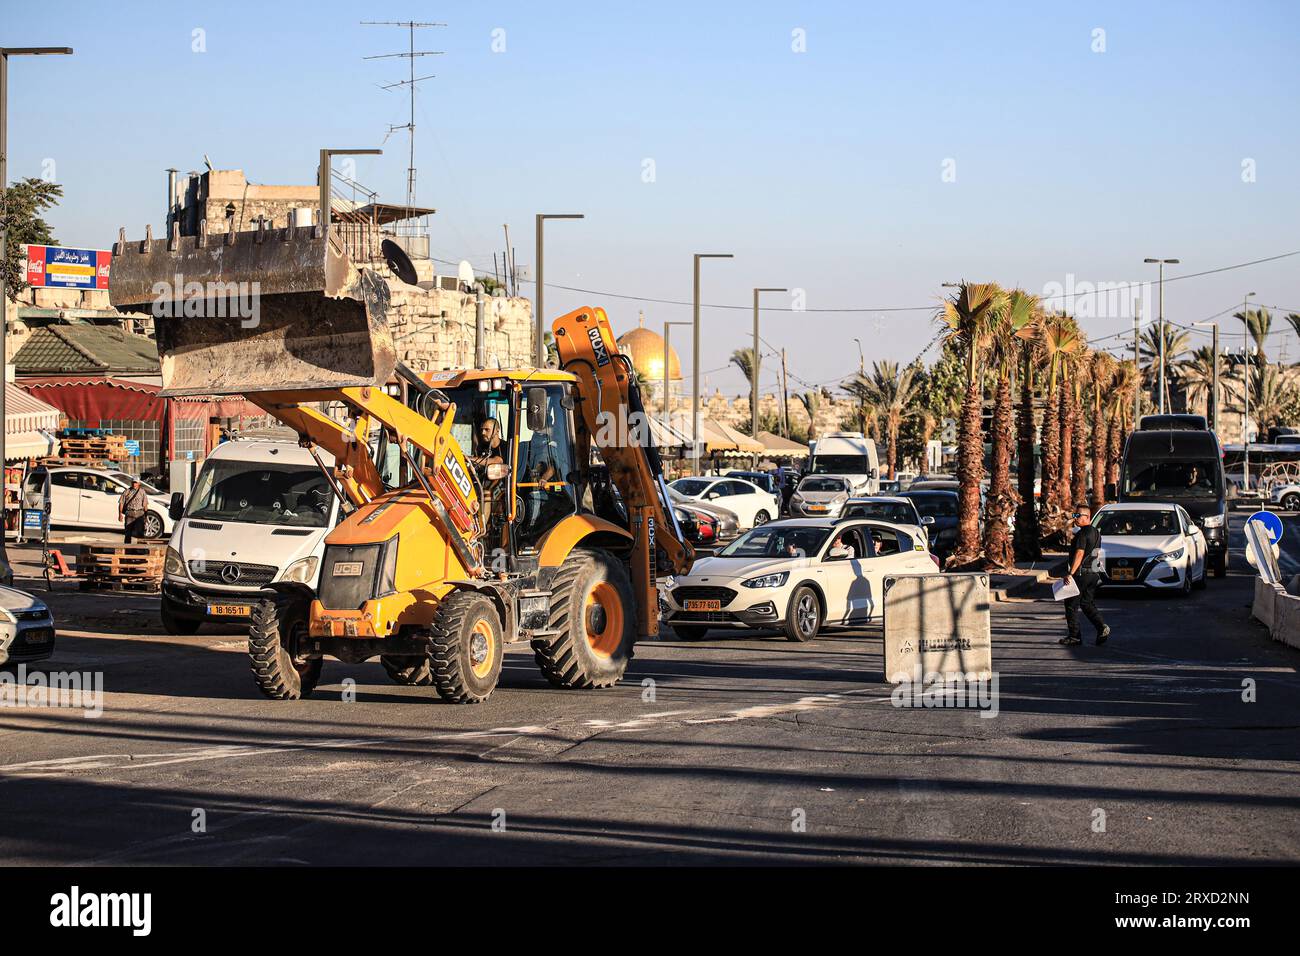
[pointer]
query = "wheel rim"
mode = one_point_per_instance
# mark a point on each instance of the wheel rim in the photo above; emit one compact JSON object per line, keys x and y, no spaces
{"x":480,"y":648}
{"x":761,"y":518}
{"x":152,"y":526}
{"x":603,"y":618}
{"x":805,"y":614}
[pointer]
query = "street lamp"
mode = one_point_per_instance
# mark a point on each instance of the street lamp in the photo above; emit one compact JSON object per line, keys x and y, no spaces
{"x":667,"y":376}
{"x":753,"y":390}
{"x":539,"y":288}
{"x":1162,"y":263}
{"x":695,"y":356}
{"x":1214,"y":389}
{"x":5,"y":54}
{"x":1245,"y":381}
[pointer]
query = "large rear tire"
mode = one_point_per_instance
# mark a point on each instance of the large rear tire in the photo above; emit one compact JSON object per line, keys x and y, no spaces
{"x":278,"y":631}
{"x":466,"y":648}
{"x":594,"y":612}
{"x":409,"y":669}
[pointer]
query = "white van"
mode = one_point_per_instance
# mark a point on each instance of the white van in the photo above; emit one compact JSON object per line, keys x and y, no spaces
{"x":258,"y":513}
{"x":848,"y":455}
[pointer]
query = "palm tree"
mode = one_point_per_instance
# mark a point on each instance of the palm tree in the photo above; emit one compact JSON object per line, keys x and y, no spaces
{"x":1011,"y":323}
{"x":968,"y":314}
{"x":1027,"y":545}
{"x":1059,"y":339}
{"x":1079,"y":464}
{"x":889,"y":390}
{"x":1175,"y":342}
{"x":1124,"y":386}
{"x":1257,"y":322}
{"x":1197,"y":377}
{"x":812,"y":404}
{"x":1103,"y":378}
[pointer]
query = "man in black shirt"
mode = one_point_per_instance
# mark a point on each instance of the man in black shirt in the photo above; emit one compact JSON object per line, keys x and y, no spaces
{"x":1084,"y":567}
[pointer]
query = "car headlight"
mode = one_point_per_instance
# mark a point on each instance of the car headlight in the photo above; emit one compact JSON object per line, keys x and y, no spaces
{"x":172,"y":563}
{"x":668,"y":583}
{"x":302,"y":571}
{"x":1171,"y":555}
{"x":1212,"y":521}
{"x":767,"y":580}
{"x":8,"y":615}
{"x":796,"y":499}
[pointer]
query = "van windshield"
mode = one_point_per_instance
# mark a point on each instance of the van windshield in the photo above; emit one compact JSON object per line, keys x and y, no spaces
{"x":841,"y":465}
{"x":261,"y":493}
{"x":1178,"y":479}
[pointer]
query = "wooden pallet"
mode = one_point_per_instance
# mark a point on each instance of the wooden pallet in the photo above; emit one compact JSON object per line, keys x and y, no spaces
{"x":107,"y":566}
{"x":121,"y":584}
{"x":70,"y":461}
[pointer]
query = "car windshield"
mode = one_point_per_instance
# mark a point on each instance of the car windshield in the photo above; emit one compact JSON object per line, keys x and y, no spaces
{"x":882,"y":511}
{"x":691,"y":487}
{"x":1182,"y":479}
{"x":840,"y":465}
{"x":823,"y":484}
{"x":127,"y":479}
{"x":775,"y":541}
{"x":936,"y":506}
{"x":260,"y":493}
{"x":1125,"y":522}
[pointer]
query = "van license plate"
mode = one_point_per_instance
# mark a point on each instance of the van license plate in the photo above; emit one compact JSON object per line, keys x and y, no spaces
{"x":704,"y":605}
{"x":229,"y":610}
{"x":347,"y":569}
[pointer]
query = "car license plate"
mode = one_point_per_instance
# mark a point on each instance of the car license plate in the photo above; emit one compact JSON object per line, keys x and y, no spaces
{"x":347,"y":569}
{"x":704,"y":605}
{"x":38,"y":637}
{"x":229,"y":610}
{"x":816,"y":507}
{"x":1121,"y":574}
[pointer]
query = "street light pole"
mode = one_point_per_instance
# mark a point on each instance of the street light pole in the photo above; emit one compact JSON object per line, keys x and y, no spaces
{"x":539,"y":289}
{"x":667,"y":376}
{"x":758,"y":362}
{"x":1161,"y":263}
{"x":1214,"y":387}
{"x":695,"y":355}
{"x":1245,"y":381}
{"x":5,"y":54}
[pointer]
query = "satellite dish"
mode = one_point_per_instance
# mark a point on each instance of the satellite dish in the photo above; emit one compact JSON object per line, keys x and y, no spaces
{"x":465,"y":273}
{"x":399,"y":262}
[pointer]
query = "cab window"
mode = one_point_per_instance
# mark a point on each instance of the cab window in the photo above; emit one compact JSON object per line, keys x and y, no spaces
{"x":545,"y":464}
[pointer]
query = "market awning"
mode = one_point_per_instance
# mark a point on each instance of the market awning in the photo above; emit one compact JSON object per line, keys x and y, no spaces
{"x":29,"y":444}
{"x":29,"y":425}
{"x":779,"y":447}
{"x":717,"y":438}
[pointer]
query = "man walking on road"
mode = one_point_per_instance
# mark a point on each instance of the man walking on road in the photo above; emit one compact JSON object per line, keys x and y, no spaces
{"x":131,"y":508}
{"x":1084,"y":567}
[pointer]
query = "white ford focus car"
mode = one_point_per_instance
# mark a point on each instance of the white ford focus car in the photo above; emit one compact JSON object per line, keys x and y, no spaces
{"x":1151,"y":545}
{"x":749,"y":503}
{"x":798,"y":575}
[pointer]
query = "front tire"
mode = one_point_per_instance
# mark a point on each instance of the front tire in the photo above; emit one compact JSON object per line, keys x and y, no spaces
{"x":466,"y":648}
{"x":153,"y":525}
{"x":593,"y":612}
{"x":1199,"y":583}
{"x":275,"y":642}
{"x":761,"y":518}
{"x":803,"y":617}
{"x":1291,"y":502}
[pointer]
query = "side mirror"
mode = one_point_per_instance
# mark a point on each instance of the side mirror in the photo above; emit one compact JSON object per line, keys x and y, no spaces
{"x":176,"y":507}
{"x":536,"y":415}
{"x":928,"y":519}
{"x":1111,"y":491}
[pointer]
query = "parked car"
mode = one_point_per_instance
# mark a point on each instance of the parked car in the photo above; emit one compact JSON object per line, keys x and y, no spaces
{"x":750,"y":504}
{"x":848,"y":455}
{"x":259,"y":513}
{"x":704,"y":524}
{"x":820,"y":496}
{"x":1151,"y":545}
{"x":762,"y":479}
{"x":799,"y":574}
{"x":1286,"y":496}
{"x":941,"y":507}
{"x":87,"y":498}
{"x":937,"y":484}
{"x":892,"y":508}
{"x":26,"y":627}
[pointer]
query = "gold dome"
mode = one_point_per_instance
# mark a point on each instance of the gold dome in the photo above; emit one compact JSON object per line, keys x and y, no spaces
{"x":645,"y":348}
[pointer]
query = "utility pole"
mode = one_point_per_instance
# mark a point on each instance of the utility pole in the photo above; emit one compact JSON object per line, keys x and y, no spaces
{"x":1137,"y":363}
{"x":695,"y":356}
{"x":785,"y":400}
{"x":1161,"y":263}
{"x":758,"y":362}
{"x":1245,"y":380}
{"x":668,"y":372}
{"x":539,"y":287}
{"x":5,"y":54}
{"x":410,"y":26}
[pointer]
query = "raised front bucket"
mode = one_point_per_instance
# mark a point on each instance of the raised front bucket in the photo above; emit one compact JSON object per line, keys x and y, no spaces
{"x":256,"y":311}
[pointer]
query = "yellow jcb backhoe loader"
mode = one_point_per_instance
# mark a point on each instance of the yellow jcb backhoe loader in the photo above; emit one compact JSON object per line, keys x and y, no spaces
{"x":474,"y":516}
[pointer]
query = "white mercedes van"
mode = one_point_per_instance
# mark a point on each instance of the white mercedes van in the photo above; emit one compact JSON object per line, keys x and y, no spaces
{"x":258,"y":514}
{"x":848,"y":455}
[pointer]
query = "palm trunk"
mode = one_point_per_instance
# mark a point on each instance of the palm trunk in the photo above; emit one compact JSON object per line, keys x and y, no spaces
{"x":1026,"y":540}
{"x":970,"y":471}
{"x":1113,"y":437}
{"x":1079,"y":485}
{"x":1099,"y":450}
{"x":1065,"y":491}
{"x":891,"y":456}
{"x":1050,"y":485}
{"x":1002,"y":498}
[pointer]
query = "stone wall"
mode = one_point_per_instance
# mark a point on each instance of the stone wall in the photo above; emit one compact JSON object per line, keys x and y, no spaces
{"x":434,"y":329}
{"x":214,"y":194}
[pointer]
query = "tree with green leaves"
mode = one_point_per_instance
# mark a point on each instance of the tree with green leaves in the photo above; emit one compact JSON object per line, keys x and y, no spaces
{"x":1011,"y":323}
{"x":888,"y":390}
{"x":24,"y":203}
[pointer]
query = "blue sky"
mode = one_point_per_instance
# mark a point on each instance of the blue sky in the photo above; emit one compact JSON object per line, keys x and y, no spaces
{"x":820,"y":170}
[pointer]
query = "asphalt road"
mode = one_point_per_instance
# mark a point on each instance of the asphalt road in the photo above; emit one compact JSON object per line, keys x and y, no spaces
{"x":709,"y":752}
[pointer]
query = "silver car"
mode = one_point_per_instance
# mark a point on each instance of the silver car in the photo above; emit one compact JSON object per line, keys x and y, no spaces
{"x":26,"y":627}
{"x":820,"y":496}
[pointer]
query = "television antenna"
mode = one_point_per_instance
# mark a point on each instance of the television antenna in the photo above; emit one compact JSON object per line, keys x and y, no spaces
{"x":411,"y":53}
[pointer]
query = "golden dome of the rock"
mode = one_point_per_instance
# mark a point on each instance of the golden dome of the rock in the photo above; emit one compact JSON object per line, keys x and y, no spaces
{"x":645,"y":348}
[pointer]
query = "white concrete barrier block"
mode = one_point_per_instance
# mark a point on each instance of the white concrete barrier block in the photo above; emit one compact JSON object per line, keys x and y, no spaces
{"x":937,"y":624}
{"x":1263,"y":610}
{"x":1286,"y":619}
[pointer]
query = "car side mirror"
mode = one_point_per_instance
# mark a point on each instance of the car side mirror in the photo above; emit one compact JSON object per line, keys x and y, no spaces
{"x":536,"y":409}
{"x":176,"y":507}
{"x":928,"y":519}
